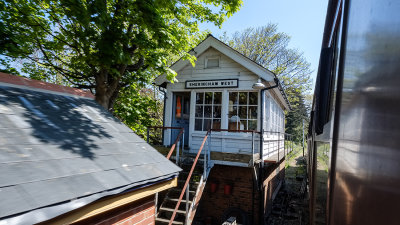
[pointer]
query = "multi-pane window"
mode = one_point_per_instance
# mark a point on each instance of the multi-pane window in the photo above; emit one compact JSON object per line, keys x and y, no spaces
{"x":242,"y":110}
{"x":208,"y":111}
{"x":277,"y":118}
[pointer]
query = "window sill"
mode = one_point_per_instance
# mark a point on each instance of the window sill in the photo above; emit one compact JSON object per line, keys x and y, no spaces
{"x":225,"y":134}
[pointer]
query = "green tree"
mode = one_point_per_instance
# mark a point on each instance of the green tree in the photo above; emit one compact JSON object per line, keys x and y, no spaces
{"x":269,"y":48}
{"x":139,"y":106}
{"x":104,"y":46}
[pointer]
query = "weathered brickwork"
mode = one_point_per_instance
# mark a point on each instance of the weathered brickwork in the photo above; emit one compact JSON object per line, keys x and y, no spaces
{"x":244,"y":197}
{"x":138,"y":213}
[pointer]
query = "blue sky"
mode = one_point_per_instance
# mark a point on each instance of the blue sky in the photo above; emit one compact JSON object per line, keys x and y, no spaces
{"x":303,"y":20}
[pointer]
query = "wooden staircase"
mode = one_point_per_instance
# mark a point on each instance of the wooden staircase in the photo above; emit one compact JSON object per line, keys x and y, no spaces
{"x":186,"y":210}
{"x":191,"y":181}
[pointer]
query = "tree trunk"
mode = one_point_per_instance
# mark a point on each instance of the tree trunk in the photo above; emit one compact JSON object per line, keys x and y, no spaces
{"x":102,"y":99}
{"x":106,"y":90}
{"x":102,"y":89}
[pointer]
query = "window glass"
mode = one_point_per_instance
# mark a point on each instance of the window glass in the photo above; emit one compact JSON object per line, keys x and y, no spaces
{"x":208,"y":111}
{"x":277,"y":117}
{"x":252,"y":112}
{"x":242,"y":98}
{"x":212,"y":62}
{"x":253,"y":98}
{"x":242,"y":110}
{"x":199,"y":98}
{"x":217,"y":97}
{"x":208,"y":97}
{"x":198,"y":124}
{"x":233,"y":98}
{"x":252,"y":124}
{"x":217,"y":124}
{"x":199,"y":111}
{"x":217,"y":112}
{"x":232,"y":111}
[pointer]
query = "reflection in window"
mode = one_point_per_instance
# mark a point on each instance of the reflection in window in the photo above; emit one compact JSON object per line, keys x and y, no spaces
{"x":208,"y":111}
{"x":242,"y":111}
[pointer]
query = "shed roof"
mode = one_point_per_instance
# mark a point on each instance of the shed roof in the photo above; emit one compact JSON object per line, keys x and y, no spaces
{"x":60,"y":151}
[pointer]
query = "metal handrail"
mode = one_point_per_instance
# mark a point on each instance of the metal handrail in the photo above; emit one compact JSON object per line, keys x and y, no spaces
{"x":237,"y":131}
{"x":176,"y":142}
{"x":188,"y":178}
{"x":182,"y":130}
{"x":286,"y":137}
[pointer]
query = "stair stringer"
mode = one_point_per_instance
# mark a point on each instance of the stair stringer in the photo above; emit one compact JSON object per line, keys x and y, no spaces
{"x":198,"y":195}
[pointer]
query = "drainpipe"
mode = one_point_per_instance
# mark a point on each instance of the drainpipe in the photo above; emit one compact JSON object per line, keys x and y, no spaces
{"x":165,"y":101}
{"x":261,"y":86}
{"x":262,"y":93}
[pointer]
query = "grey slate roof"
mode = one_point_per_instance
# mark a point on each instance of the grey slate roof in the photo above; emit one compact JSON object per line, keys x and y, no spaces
{"x":60,"y":152}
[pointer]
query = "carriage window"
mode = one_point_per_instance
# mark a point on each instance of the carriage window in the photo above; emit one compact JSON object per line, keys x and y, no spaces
{"x":208,"y":111}
{"x":242,"y":111}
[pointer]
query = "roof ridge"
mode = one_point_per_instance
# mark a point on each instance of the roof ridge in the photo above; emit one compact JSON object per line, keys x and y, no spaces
{"x":41,"y":85}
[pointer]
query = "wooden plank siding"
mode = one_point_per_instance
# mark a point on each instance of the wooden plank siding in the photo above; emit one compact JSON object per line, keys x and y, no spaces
{"x":223,"y":142}
{"x":227,"y":69}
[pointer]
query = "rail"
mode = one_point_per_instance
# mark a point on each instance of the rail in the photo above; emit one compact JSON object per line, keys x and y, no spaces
{"x":277,"y":145}
{"x":186,"y":186}
{"x":176,"y":143}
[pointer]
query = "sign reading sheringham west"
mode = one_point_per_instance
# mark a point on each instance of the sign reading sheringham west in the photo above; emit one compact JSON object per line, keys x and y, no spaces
{"x":223,"y":83}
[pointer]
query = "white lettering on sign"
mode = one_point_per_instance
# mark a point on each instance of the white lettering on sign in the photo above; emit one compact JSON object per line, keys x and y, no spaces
{"x":227,"y":83}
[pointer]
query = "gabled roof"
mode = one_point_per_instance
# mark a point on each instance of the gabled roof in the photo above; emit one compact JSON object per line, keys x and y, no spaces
{"x":238,"y":57}
{"x":60,"y":151}
{"x":211,"y":41}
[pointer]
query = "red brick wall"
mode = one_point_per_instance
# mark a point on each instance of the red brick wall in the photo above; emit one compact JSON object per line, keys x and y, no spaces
{"x":273,"y":176}
{"x":137,"y":213}
{"x":213,"y":206}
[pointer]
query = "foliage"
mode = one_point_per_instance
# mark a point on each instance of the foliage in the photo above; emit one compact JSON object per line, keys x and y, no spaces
{"x":139,"y":107}
{"x":104,"y":46}
{"x":295,"y":117}
{"x":269,"y":48}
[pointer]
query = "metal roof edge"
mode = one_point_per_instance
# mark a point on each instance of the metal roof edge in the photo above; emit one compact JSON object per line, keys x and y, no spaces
{"x":24,"y":82}
{"x":49,"y":212}
{"x":43,"y":91}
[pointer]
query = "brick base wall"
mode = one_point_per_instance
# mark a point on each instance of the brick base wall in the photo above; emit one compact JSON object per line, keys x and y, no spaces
{"x":141,"y":212}
{"x":244,"y":200}
{"x":274,"y":174}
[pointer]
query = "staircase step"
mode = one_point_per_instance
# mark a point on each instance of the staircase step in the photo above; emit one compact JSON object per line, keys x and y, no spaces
{"x":175,"y":193}
{"x":177,"y":199}
{"x":179,"y":190}
{"x":190,"y":182}
{"x":197,"y":173}
{"x":172,"y":210}
{"x":162,"y":220}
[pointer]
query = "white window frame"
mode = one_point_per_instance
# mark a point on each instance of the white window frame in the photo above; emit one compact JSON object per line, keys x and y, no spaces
{"x":247,"y":108}
{"x":212,"y":57}
{"x":212,"y":109}
{"x":277,"y":117}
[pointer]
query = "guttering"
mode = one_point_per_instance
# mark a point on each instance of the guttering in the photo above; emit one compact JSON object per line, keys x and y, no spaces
{"x":261,"y":167}
{"x":262,"y":91}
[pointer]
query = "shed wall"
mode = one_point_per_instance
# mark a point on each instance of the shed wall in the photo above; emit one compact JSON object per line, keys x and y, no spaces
{"x":137,"y":213}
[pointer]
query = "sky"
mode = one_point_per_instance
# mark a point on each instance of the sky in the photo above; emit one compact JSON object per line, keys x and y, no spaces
{"x":303,"y":20}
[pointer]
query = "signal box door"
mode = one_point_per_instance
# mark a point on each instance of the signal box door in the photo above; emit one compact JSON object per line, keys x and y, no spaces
{"x":180,"y":115}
